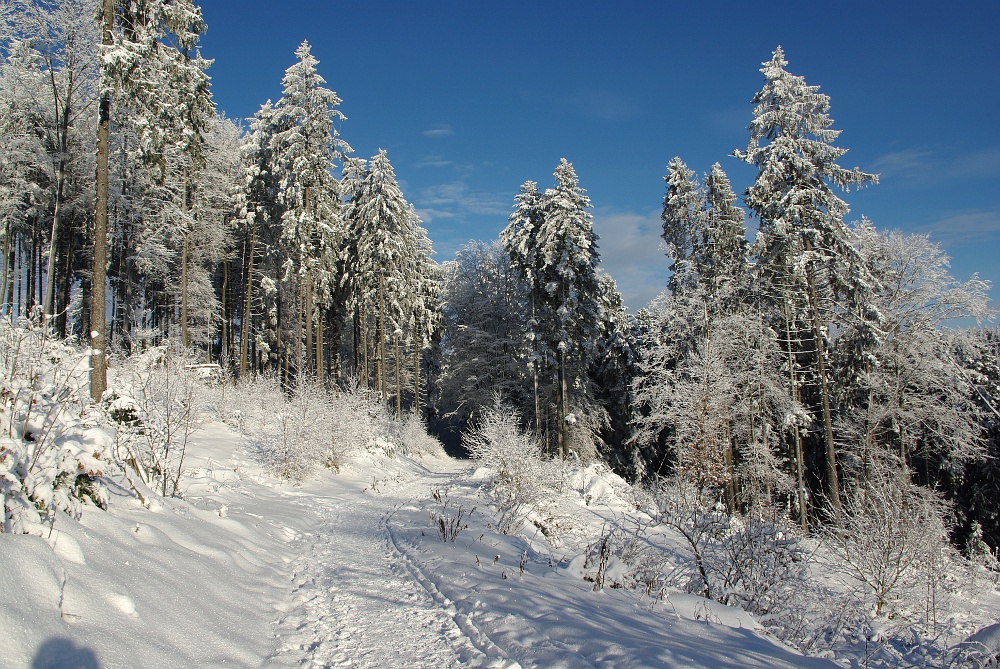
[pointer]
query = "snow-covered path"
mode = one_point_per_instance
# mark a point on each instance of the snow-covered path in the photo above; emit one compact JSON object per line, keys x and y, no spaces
{"x":358,"y":601}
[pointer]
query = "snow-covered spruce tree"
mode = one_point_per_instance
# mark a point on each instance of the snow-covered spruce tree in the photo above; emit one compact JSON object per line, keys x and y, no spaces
{"x":706,"y":386}
{"x":683,"y":224}
{"x":305,"y":145}
{"x":484,"y":344}
{"x":427,"y":283}
{"x":390,"y":275}
{"x":568,"y":259}
{"x":257,"y":211}
{"x":721,"y":256}
{"x":975,"y":492}
{"x":520,"y":240}
{"x":614,"y":368}
{"x":803,"y":245}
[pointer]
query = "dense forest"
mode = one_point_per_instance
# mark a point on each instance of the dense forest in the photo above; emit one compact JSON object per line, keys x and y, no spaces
{"x":795,"y":373}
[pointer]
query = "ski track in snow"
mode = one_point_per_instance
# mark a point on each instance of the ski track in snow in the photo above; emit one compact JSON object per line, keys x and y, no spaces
{"x":359,"y":601}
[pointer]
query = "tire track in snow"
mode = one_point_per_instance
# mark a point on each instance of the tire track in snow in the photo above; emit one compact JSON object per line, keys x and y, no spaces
{"x":360,"y":601}
{"x":473,"y":633}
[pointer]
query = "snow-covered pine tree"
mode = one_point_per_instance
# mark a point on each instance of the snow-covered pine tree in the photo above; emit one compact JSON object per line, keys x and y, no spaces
{"x":306,"y":144}
{"x":683,"y":224}
{"x":257,"y":209}
{"x":388,"y":260}
{"x":520,"y":240}
{"x":803,"y":245}
{"x":721,"y":256}
{"x":614,"y":367}
{"x":568,"y":259}
{"x":425,"y":304}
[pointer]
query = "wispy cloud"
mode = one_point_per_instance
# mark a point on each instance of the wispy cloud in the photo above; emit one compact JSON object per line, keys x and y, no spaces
{"x":630,"y":249}
{"x":434,"y":161}
{"x":980,"y":162}
{"x":440,"y":130}
{"x":905,"y":164}
{"x":456,"y":199}
{"x":921,"y":163}
{"x":974,"y":227}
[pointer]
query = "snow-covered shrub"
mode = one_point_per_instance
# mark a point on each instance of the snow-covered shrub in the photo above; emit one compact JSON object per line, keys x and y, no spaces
{"x":519,"y":475}
{"x":624,"y":558}
{"x":891,"y":547}
{"x":295,"y":432}
{"x":416,"y":439}
{"x":51,"y":458}
{"x":363,"y":422}
{"x":299,"y":433}
{"x":754,"y":561}
{"x":154,"y":405}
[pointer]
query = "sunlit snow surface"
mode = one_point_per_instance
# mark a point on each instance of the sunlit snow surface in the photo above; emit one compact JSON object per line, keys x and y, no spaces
{"x":345,"y":570}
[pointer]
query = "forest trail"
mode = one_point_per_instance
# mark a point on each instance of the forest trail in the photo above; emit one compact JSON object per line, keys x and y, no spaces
{"x":358,"y":601}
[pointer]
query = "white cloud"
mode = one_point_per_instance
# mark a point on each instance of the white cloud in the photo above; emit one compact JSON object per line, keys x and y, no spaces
{"x":630,"y":248}
{"x":434,"y":161}
{"x":974,"y":227}
{"x":440,"y":130}
{"x":904,"y":164}
{"x":456,"y":198}
{"x":924,"y":163}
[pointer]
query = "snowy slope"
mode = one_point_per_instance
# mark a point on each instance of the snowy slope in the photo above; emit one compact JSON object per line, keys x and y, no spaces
{"x":345,"y":570}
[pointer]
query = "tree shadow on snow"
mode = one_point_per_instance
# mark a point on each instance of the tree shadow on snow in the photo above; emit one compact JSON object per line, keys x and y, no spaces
{"x":62,"y":653}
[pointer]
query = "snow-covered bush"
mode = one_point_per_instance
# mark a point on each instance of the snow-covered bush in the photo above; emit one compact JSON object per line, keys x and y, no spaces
{"x":754,"y":561}
{"x":51,"y":457}
{"x":298,"y":434}
{"x":519,"y":475}
{"x":624,"y":558}
{"x":416,"y":439}
{"x":891,"y":547}
{"x":154,"y":404}
{"x":295,"y":432}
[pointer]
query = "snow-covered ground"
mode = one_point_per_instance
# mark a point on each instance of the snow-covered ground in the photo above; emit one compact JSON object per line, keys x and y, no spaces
{"x":347,"y":569}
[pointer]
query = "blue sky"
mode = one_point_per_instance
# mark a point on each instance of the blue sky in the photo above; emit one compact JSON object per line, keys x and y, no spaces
{"x":471,"y":98}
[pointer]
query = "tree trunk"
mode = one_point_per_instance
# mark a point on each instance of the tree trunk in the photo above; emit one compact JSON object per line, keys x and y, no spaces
{"x":185,"y":340}
{"x":8,"y":262}
{"x":534,"y":368}
{"x":793,"y":387}
{"x":307,"y":323}
{"x":380,"y":359}
{"x":226,"y":318}
{"x":50,"y":275}
{"x":563,"y":408}
{"x":245,"y":319}
{"x":98,"y":320}
{"x":399,"y":379}
{"x":320,"y":369}
{"x":833,"y":481}
{"x":416,"y":368}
